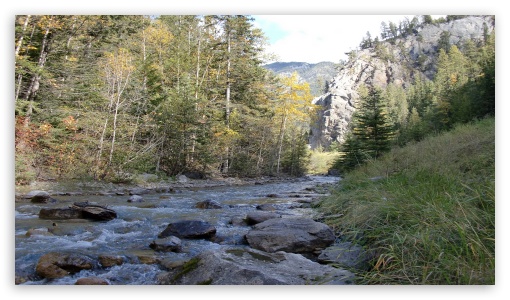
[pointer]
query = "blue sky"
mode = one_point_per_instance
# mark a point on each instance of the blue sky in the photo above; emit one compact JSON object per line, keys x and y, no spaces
{"x":316,"y":38}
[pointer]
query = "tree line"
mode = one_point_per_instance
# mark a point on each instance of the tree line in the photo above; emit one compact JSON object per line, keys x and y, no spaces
{"x":462,"y":90}
{"x":105,"y":97}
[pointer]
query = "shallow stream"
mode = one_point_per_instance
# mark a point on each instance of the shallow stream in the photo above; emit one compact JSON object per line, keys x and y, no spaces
{"x":138,"y":224}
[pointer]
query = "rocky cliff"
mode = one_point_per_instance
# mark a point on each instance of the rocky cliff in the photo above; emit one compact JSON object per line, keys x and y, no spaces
{"x":395,"y":61}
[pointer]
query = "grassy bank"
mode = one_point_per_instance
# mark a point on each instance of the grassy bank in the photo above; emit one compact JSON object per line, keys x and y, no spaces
{"x":427,"y":210}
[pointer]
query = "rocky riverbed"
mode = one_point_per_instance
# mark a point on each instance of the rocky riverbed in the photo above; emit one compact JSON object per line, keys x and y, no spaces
{"x":230,"y":231}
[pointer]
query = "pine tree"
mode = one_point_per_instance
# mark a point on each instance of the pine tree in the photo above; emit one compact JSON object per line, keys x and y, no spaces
{"x":371,"y":133}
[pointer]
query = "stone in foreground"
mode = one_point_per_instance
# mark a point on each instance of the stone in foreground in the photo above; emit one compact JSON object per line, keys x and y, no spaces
{"x":57,"y":265}
{"x":189,"y":230}
{"x":247,"y":266}
{"x":296,"y":235}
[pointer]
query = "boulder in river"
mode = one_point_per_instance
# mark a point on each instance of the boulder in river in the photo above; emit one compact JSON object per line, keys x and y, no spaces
{"x":208,"y":204}
{"x":256,"y":217}
{"x":189,"y":230}
{"x":57,"y":265}
{"x":60,"y":214}
{"x":168,"y":244}
{"x":39,"y":197}
{"x":247,"y":266}
{"x":79,"y":210}
{"x":95,"y":212}
{"x":296,"y":235}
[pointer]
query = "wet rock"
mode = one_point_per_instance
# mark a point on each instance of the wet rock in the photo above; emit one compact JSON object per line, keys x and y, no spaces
{"x":148,"y":259}
{"x":39,"y":197}
{"x":92,"y":281}
{"x":182,"y":179}
{"x":346,"y":254}
{"x":208,"y":204}
{"x":266,"y":207}
{"x":256,"y":217}
{"x":109,"y":260}
{"x":297,"y":235}
{"x":168,"y":244}
{"x":247,"y":266}
{"x":57,"y":265}
{"x":95,"y":212}
{"x":60,"y":214}
{"x":135,"y":198}
{"x":189,"y":230}
{"x":272,"y":196}
{"x":79,"y":210}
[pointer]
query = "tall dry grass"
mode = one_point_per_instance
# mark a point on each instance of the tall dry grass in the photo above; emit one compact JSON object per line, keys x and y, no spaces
{"x":426,"y":210}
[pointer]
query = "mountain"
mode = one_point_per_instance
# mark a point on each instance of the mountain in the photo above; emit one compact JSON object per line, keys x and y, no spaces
{"x":398,"y":60}
{"x":315,"y":74}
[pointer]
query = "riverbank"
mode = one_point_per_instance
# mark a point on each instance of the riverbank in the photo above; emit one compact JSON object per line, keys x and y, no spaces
{"x":148,"y":183}
{"x":427,"y":210}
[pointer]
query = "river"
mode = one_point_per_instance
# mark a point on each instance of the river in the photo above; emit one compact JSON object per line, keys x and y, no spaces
{"x":138,"y":224}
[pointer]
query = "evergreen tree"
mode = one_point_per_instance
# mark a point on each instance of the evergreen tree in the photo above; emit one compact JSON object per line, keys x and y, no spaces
{"x":371,"y":133}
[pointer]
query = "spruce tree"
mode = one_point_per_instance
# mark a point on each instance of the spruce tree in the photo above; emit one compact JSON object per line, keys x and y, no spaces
{"x":371,"y":133}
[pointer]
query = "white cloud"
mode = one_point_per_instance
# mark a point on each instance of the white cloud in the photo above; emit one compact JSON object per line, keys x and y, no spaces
{"x":315,"y":38}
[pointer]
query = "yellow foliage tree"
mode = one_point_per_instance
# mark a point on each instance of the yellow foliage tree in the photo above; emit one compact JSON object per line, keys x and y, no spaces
{"x":292,"y":106}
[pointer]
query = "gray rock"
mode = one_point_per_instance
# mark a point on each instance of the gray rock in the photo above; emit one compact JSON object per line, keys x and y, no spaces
{"x":296,"y":235}
{"x":182,"y":179}
{"x":246,"y":266}
{"x":60,"y":214}
{"x":168,"y":244}
{"x":256,"y":217}
{"x":208,"y":204}
{"x":39,"y":197}
{"x":189,"y":230}
{"x":79,"y":210}
{"x":346,"y":254}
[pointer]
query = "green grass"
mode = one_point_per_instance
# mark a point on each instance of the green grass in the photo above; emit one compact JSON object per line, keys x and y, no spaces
{"x":320,"y":162}
{"x":429,"y":217}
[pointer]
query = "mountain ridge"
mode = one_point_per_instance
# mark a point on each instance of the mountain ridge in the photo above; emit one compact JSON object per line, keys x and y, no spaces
{"x":316,"y":74}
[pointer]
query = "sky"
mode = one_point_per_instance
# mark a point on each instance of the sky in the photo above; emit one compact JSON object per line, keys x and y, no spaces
{"x":316,"y":38}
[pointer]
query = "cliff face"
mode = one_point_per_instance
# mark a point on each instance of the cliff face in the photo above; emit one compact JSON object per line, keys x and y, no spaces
{"x":397,"y":62}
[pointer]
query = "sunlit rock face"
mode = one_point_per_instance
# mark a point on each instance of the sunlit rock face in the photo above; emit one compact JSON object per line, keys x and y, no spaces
{"x":399,"y":63}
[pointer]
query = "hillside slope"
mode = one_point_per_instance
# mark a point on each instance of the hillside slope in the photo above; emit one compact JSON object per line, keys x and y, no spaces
{"x":426,"y":211}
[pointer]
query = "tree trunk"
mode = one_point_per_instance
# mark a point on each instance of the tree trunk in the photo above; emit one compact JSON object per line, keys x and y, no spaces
{"x":280,"y":142}
{"x":20,"y":40}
